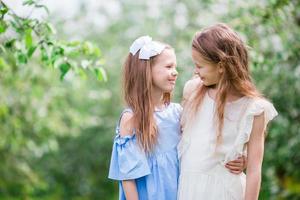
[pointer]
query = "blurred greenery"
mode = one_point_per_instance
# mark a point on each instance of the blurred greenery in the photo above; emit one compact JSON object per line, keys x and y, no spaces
{"x":56,"y":134}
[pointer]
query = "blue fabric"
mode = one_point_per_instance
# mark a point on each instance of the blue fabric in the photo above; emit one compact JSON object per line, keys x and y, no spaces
{"x":155,"y":174}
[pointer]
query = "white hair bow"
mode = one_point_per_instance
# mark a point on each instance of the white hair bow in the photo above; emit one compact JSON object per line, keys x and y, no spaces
{"x":147,"y":47}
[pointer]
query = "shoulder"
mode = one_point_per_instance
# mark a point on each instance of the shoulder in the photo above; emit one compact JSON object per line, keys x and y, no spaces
{"x":190,"y":86}
{"x":260,"y":103}
{"x":126,"y":123}
{"x":176,"y":107}
{"x":262,"y":110}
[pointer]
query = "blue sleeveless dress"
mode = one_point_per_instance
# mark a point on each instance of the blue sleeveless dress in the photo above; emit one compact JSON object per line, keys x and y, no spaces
{"x":156,"y":174}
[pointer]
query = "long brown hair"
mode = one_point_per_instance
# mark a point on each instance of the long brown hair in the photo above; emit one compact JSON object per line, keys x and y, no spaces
{"x":220,"y":45}
{"x":137,"y":83}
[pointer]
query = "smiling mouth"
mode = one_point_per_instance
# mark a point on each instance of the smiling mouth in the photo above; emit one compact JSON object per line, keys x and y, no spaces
{"x":172,"y":81}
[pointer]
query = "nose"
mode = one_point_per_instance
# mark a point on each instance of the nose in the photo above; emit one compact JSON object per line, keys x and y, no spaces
{"x":196,"y":71}
{"x":174,"y":72}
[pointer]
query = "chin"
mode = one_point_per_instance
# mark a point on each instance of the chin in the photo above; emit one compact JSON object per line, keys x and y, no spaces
{"x":208,"y":84}
{"x":169,"y":90}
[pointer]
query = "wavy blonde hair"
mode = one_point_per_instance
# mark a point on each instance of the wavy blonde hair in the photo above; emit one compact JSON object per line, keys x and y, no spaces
{"x":220,"y":45}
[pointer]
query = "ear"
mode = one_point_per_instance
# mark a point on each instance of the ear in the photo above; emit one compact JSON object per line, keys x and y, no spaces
{"x":220,"y":68}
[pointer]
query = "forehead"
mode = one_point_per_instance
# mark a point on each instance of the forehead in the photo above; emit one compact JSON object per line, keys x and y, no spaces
{"x":167,"y":56}
{"x":197,"y":57}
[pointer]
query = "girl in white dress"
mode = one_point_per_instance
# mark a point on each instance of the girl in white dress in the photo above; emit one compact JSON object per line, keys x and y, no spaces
{"x":224,"y":116}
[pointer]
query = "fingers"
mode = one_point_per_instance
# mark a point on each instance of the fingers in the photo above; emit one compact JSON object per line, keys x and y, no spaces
{"x":240,"y":159}
{"x":235,"y":172}
{"x":236,"y":166}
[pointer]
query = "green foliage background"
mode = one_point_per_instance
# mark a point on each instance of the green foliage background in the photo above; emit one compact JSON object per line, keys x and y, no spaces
{"x":56,"y":134}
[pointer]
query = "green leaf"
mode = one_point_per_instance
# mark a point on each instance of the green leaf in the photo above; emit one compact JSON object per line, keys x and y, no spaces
{"x":31,"y":50}
{"x":97,"y":51}
{"x":64,"y":68}
{"x":87,"y":48}
{"x":3,"y":10}
{"x":50,"y":28}
{"x":100,"y":74}
{"x":58,"y":62}
{"x":2,"y":49}
{"x":28,"y":38}
{"x":3,"y":109}
{"x":44,"y":54}
{"x":81,"y":73}
{"x":29,"y":2}
{"x":58,"y":50}
{"x":10,"y":43}
{"x":3,"y":26}
{"x":3,"y":64}
{"x":21,"y":58}
{"x":42,"y":6}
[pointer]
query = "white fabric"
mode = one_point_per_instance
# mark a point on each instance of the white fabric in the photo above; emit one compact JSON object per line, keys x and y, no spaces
{"x":202,"y":171}
{"x":147,"y":47}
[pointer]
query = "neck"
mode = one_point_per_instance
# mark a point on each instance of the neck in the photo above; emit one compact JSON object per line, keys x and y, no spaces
{"x":157,"y":98}
{"x":213,"y":87}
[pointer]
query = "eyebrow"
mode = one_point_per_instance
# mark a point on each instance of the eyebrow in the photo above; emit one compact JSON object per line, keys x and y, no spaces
{"x":170,"y":63}
{"x":203,"y":63}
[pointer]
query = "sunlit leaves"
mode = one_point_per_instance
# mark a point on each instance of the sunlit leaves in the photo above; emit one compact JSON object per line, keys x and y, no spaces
{"x":33,"y":35}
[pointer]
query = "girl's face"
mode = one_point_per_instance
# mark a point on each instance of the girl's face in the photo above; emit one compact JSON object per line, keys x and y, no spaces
{"x":208,"y":72}
{"x":164,"y":73}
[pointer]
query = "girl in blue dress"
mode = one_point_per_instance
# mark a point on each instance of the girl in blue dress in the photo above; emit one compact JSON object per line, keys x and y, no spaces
{"x":144,"y":156}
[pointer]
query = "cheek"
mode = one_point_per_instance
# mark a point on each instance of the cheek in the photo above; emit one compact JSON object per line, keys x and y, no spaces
{"x":214,"y":77}
{"x":202,"y":72}
{"x":197,"y":70}
{"x":158,"y":77}
{"x":164,"y":73}
{"x":158,"y":70}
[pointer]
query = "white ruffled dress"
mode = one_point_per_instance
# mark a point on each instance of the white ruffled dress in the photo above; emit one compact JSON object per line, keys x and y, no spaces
{"x":202,"y":171}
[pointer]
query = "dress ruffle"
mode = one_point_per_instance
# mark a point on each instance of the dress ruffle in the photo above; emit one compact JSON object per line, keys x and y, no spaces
{"x":255,"y":108}
{"x":128,"y":160}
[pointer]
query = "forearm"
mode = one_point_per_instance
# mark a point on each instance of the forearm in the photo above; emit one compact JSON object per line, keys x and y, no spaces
{"x":253,"y":181}
{"x":130,"y":190}
{"x":255,"y":158}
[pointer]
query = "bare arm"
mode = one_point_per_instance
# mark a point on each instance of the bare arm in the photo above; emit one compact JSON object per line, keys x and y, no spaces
{"x":129,"y":186}
{"x":255,"y":158}
{"x":130,"y":190}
